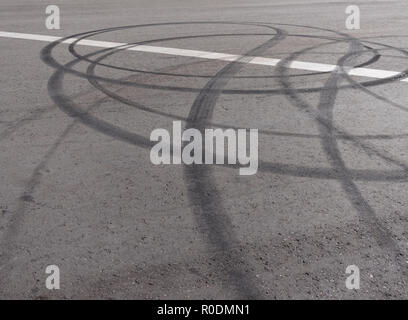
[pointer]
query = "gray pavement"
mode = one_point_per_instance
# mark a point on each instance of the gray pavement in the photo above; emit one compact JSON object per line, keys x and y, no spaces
{"x":78,"y":189}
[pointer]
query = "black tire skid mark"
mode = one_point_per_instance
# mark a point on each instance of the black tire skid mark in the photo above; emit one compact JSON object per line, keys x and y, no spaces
{"x":375,"y":58}
{"x":330,"y":145}
{"x":368,"y":215}
{"x":208,"y":208}
{"x":370,"y":150}
{"x":372,"y":93}
{"x":337,"y":177}
{"x":126,"y":101}
{"x":53,"y":63}
{"x":91,"y":73}
{"x":14,"y":224}
{"x":278,"y":168}
{"x":97,"y":62}
{"x":8,"y":239}
{"x":55,"y":83}
{"x":324,"y":120}
{"x":30,"y":116}
{"x":367,"y":175}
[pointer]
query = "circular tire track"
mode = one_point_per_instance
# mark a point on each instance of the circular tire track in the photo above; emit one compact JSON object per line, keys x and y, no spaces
{"x":210,"y":210}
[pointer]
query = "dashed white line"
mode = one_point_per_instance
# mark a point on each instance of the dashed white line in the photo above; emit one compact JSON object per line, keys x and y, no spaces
{"x":299,"y":65}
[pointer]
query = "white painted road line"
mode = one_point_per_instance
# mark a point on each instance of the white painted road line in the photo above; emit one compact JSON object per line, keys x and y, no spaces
{"x":299,"y":65}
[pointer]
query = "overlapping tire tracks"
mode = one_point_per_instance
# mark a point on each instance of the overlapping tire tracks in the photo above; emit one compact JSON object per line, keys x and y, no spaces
{"x":209,"y":210}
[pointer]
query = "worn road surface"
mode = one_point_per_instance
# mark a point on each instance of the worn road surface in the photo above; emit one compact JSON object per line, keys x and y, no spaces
{"x":78,"y":189}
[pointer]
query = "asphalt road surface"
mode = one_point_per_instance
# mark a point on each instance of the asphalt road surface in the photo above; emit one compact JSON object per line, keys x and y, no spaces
{"x":78,"y":189}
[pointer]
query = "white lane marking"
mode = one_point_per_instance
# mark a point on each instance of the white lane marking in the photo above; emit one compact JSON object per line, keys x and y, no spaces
{"x":299,"y":65}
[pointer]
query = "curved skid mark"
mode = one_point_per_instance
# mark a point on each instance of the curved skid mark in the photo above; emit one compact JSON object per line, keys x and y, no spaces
{"x":208,"y":207}
{"x":321,"y":173}
{"x":324,"y":119}
{"x":14,"y":225}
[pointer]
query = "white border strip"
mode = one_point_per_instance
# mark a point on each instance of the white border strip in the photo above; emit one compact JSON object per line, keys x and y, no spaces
{"x":299,"y":65}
